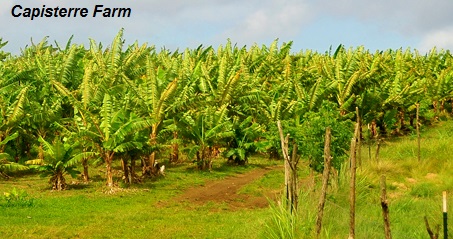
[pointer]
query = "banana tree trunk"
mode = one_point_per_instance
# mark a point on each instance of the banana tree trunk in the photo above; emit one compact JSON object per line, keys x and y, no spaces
{"x":151,"y":162}
{"x":204,"y":159}
{"x":127,"y":174}
{"x":451,"y":105}
{"x":435,"y":106}
{"x":150,"y":169}
{"x":85,"y":175}
{"x":174,"y":155}
{"x":27,"y":150}
{"x":40,"y":151}
{"x":132,"y":171}
{"x":108,"y":158}
{"x":208,"y":159}
{"x":373,"y":129}
{"x":402,"y":121}
{"x":58,"y":181}
{"x":2,"y":147}
{"x":411,"y":120}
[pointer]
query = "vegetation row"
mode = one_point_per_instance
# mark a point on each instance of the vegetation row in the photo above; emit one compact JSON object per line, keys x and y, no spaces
{"x":64,"y":108}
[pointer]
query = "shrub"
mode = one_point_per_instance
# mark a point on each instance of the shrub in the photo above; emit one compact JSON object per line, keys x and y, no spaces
{"x":18,"y":198}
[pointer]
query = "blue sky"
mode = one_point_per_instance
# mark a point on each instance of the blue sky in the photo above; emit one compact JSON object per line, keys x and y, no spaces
{"x":310,"y":24}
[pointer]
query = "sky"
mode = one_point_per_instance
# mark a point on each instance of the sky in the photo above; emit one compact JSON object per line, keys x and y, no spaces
{"x":179,"y":24}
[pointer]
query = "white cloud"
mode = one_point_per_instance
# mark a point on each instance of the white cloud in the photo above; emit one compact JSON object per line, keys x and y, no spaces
{"x":441,"y":39}
{"x":5,"y":8}
{"x":272,"y":19}
{"x":408,"y":17}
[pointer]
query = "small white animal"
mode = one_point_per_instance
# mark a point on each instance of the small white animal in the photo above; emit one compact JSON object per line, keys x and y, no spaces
{"x":161,"y":170}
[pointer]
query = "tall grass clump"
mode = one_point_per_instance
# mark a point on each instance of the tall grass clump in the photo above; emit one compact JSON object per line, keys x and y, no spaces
{"x":286,"y":224}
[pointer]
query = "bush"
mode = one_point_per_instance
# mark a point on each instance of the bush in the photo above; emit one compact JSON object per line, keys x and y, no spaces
{"x":17,"y":198}
{"x":311,"y":136}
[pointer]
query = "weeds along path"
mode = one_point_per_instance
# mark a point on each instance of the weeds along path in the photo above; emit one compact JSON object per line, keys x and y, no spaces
{"x":227,"y":191}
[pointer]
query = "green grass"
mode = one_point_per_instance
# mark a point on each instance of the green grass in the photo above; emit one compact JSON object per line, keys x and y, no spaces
{"x":147,"y":210}
{"x":414,"y":188}
{"x":139,"y":211}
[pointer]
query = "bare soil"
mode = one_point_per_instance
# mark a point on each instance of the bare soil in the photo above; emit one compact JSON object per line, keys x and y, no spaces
{"x":225,"y":192}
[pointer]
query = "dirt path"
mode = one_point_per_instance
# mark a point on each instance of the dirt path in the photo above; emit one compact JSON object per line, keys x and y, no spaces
{"x":226,"y":191}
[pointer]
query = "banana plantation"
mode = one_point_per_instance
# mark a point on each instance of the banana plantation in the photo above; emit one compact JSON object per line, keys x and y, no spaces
{"x":67,"y":108}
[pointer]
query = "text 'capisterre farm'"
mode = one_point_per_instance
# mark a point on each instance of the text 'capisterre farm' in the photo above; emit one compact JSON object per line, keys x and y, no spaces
{"x":69,"y":12}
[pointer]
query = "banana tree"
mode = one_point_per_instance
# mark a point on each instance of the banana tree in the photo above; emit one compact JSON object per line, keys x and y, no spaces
{"x":114,"y":133}
{"x":400,"y":91}
{"x":45,"y":105}
{"x":439,"y":80}
{"x":104,"y":99}
{"x":344,"y":72}
{"x":12,"y":103}
{"x":60,"y":159}
{"x":3,"y":55}
{"x":7,"y":163}
{"x":203,"y":130}
{"x":111,"y":131}
{"x":154,"y":92}
{"x":245,"y":140}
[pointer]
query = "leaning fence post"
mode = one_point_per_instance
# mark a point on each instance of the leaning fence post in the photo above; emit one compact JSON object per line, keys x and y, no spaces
{"x":444,"y":209}
{"x":432,"y":234}
{"x":353,"y":168}
{"x":290,"y":170}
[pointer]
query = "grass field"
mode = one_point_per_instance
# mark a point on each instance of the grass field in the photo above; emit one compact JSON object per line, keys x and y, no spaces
{"x":149,"y":210}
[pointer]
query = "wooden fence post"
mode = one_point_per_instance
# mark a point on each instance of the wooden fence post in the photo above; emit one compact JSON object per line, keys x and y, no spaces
{"x":290,"y":170}
{"x":444,"y":210}
{"x":325,"y":181}
{"x":378,"y":147}
{"x":369,"y":143}
{"x":352,"y":157}
{"x":385,"y":208}
{"x":359,"y":137}
{"x":418,"y":131}
{"x":432,"y":234}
